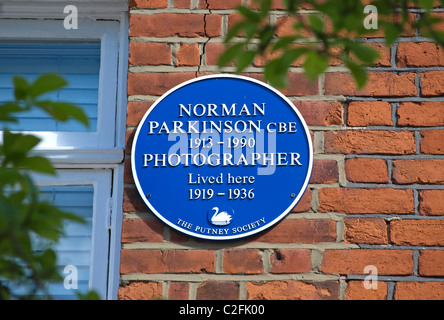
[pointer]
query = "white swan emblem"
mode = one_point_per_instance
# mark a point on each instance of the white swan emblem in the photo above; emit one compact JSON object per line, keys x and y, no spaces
{"x":220,"y":218}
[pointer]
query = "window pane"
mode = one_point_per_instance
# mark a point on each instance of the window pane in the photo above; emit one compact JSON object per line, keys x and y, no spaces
{"x":73,"y":249}
{"x":78,"y":63}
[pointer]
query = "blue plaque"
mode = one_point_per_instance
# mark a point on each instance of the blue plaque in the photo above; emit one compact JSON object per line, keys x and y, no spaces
{"x":222,"y":157}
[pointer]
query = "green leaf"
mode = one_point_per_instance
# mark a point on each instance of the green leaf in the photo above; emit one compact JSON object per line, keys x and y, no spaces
{"x":235,"y":30}
{"x":358,"y":72}
{"x":316,"y":23}
{"x":73,"y":111}
{"x":265,"y":7}
{"x":244,"y":59}
{"x":21,"y":88}
{"x":363,"y":52}
{"x":91,"y":295}
{"x":276,"y":73}
{"x":265,"y":36}
{"x":290,"y":55}
{"x":249,"y":14}
{"x":284,"y":42}
{"x":426,"y":4}
{"x":6,"y":110}
{"x":18,"y":143}
{"x":37,"y":164}
{"x":315,"y":64}
{"x":63,"y":111}
{"x":46,"y":83}
{"x":392,"y":32}
{"x":230,"y":53}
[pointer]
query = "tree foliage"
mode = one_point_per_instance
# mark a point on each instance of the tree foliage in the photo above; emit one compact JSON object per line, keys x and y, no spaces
{"x":325,"y":30}
{"x":24,"y":216}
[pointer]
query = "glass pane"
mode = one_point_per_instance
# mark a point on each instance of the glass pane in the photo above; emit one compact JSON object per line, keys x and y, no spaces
{"x":78,"y":63}
{"x":73,"y":251}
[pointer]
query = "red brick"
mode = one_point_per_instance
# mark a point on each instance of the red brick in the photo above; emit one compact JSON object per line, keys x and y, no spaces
{"x":354,"y":261}
{"x":439,"y":23}
{"x":384,"y":54}
{"x":182,"y":4}
{"x":213,"y":50}
{"x":304,"y":203}
{"x":300,"y":230}
{"x":275,"y":4}
{"x":170,"y":261}
{"x":320,"y":113}
{"x":325,"y":171}
{"x":370,"y":231}
{"x":155,"y":83}
{"x":213,"y":25}
{"x":439,"y":16}
{"x":299,"y":85}
{"x":431,"y":202}
{"x":356,"y":200}
{"x":431,"y":263}
{"x":431,"y":83}
{"x":423,"y":171}
{"x":369,"y":142}
{"x":242,"y":261}
{"x":177,"y":237}
{"x":417,"y":232}
{"x":218,"y":5}
{"x":175,"y":24}
{"x":179,"y":291}
{"x":268,"y":55}
{"x":369,"y":113}
{"x":188,"y":55}
{"x":419,"y":290}
{"x":142,"y":230}
{"x":293,"y":290}
{"x":129,"y":137}
{"x":432,"y":141}
{"x":158,"y":4}
{"x":378,"y":84}
{"x":290,"y":261}
{"x":140,"y":291}
{"x":233,"y":19}
{"x":141,"y":53}
{"x":285,"y":26}
{"x":132,"y":202}
{"x":421,"y":54}
{"x":136,"y":110}
{"x":127,"y":172}
{"x":424,"y":114}
{"x":218,"y":290}
{"x":366,"y":170}
{"x":357,"y":291}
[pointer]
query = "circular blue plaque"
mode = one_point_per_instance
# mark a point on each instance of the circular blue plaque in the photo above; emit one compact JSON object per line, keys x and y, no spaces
{"x":222,"y":157}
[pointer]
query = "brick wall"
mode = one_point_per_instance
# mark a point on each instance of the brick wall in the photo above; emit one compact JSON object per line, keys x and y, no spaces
{"x":376,"y":196}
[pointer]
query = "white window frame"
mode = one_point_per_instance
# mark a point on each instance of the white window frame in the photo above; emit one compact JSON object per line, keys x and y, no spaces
{"x":107,"y":32}
{"x":101,"y":219}
{"x":86,"y":156}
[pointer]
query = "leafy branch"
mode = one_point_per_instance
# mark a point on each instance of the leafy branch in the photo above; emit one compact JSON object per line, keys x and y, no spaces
{"x":323,"y":31}
{"x":24,"y":216}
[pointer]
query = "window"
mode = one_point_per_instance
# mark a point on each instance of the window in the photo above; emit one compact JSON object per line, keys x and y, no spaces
{"x":85,"y":246}
{"x":77,"y":62}
{"x":89,"y":161}
{"x":89,"y":61}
